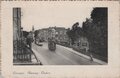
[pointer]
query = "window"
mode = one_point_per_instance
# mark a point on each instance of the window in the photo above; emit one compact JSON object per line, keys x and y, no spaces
{"x":84,"y":44}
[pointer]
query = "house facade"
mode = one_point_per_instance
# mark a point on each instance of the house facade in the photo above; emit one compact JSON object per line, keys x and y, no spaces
{"x":59,"y":33}
{"x":81,"y":44}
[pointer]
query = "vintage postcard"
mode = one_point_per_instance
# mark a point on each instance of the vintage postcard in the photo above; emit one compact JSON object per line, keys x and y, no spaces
{"x":60,"y":39}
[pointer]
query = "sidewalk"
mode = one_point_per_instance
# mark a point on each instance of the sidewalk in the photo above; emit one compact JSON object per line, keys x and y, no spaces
{"x":85,"y":56}
{"x":39,"y":57}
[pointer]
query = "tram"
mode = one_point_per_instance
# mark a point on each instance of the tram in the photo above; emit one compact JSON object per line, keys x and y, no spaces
{"x":51,"y":44}
{"x":52,"y":40}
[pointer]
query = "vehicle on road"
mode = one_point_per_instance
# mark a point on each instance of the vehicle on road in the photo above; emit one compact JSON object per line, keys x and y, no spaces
{"x":51,"y":39}
{"x":51,"y":44}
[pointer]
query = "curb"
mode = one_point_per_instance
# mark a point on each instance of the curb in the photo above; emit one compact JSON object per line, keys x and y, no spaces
{"x":85,"y":56}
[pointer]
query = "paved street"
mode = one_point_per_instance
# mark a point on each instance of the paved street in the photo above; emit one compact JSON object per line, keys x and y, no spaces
{"x":62,"y":56}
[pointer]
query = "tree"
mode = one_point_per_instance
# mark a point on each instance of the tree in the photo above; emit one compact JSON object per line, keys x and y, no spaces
{"x":36,"y":33}
{"x":75,"y":32}
{"x":70,"y":35}
{"x":25,"y":34}
{"x":99,"y":15}
{"x":96,"y":31}
{"x":100,"y":18}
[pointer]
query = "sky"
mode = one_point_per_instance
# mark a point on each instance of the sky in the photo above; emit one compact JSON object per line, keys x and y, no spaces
{"x":52,"y":15}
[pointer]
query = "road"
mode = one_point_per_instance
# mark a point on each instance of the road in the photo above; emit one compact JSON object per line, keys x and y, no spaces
{"x":62,"y":56}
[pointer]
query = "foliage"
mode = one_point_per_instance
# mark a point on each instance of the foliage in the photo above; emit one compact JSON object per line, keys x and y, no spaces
{"x":25,"y":34}
{"x":75,"y":32}
{"x":36,"y":33}
{"x":96,"y":31}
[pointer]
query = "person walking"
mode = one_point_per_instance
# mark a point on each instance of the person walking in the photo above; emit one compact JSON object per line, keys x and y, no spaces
{"x":90,"y":55}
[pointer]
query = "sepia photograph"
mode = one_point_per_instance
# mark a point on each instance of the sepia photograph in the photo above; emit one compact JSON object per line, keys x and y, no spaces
{"x":60,"y":39}
{"x":69,"y":36}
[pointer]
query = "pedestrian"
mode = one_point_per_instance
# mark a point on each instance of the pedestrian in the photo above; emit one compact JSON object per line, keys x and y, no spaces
{"x":90,"y":55}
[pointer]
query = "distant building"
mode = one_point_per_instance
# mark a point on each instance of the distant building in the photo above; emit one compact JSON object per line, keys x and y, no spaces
{"x":43,"y":34}
{"x":33,"y":30}
{"x":61,"y":35}
{"x":58,"y":32}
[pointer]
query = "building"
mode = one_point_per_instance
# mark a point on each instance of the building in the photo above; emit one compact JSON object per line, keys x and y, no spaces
{"x":43,"y":34}
{"x":16,"y":24}
{"x":59,"y":33}
{"x":19,"y":50}
{"x":16,"y":32}
{"x":81,"y":44}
